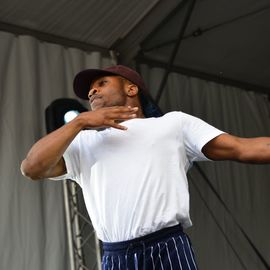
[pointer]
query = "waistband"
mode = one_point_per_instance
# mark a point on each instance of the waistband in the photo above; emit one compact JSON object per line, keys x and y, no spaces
{"x":145,"y":240}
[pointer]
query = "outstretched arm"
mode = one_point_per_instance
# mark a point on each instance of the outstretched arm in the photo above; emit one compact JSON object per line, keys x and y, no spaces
{"x":248,"y":150}
{"x":45,"y":158}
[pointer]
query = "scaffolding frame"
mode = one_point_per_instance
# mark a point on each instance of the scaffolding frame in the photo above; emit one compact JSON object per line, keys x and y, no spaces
{"x":83,"y":244}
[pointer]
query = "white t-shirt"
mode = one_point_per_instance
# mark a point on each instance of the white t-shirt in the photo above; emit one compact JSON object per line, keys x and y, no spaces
{"x":134,"y":182}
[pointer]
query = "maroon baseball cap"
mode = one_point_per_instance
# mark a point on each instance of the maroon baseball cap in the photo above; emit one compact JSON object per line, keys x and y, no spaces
{"x":84,"y":79}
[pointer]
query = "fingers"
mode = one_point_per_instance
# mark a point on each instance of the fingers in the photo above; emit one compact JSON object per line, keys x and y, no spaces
{"x":122,"y":109}
{"x":108,"y":117}
{"x":115,"y":125}
{"x":121,"y":113}
{"x":122,"y":116}
{"x":115,"y":114}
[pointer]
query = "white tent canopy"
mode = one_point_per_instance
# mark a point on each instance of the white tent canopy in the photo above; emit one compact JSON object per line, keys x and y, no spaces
{"x":223,"y":39}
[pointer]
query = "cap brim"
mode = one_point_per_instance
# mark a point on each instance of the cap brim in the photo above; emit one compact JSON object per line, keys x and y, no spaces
{"x":83,"y":80}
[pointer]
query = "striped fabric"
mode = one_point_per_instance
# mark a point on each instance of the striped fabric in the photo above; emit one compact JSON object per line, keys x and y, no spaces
{"x":168,"y":249}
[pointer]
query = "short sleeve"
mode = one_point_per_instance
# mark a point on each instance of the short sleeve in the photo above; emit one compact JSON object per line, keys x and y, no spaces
{"x":196,"y":133}
{"x":72,"y":161}
{"x":75,"y":156}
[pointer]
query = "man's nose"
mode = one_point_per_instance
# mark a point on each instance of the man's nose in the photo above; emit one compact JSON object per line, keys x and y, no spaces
{"x":92,"y":92}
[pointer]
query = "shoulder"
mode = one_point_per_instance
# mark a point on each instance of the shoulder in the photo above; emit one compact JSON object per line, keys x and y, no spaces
{"x":179,"y":117}
{"x":185,"y":118}
{"x":173,"y":120}
{"x":173,"y":115}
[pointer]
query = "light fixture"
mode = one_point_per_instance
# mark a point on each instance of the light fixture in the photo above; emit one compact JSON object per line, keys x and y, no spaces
{"x":62,"y":111}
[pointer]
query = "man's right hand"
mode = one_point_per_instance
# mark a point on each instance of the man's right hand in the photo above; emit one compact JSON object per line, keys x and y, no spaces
{"x":107,"y":117}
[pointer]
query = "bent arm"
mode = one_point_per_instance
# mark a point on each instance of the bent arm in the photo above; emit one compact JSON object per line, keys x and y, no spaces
{"x":45,"y":158}
{"x":247,"y":150}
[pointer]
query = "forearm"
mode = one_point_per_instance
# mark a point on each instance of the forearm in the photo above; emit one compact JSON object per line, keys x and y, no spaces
{"x":46,"y":153}
{"x":247,"y":150}
{"x":255,"y":150}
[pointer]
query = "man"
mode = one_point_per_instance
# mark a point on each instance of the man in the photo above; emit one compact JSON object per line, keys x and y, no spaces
{"x":132,"y":168}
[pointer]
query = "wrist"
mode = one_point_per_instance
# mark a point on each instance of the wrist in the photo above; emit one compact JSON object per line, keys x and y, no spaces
{"x":79,"y":122}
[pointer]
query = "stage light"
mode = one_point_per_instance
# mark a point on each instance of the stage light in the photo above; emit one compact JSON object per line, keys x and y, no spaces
{"x":70,"y":115}
{"x":61,"y":111}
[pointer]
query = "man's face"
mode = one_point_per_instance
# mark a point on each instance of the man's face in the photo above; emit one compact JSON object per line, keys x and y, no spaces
{"x":107,"y":91}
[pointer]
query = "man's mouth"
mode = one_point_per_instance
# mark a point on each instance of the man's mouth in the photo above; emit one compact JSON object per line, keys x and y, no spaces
{"x":94,"y":97}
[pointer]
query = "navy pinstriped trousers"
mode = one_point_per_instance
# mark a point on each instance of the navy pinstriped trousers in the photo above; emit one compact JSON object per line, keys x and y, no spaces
{"x":167,"y":249}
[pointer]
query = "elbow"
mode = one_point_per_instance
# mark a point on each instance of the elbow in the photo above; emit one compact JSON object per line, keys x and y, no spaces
{"x":30,"y":170}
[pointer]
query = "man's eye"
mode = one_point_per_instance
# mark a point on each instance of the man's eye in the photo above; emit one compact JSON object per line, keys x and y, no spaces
{"x":102,"y":82}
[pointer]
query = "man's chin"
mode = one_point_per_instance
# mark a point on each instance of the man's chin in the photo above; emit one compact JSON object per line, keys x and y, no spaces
{"x":96,"y":106}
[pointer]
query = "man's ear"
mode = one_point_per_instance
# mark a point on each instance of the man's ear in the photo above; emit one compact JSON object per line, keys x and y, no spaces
{"x":132,"y":90}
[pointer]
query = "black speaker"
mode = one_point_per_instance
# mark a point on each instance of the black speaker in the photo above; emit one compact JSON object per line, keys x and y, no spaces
{"x":61,"y":111}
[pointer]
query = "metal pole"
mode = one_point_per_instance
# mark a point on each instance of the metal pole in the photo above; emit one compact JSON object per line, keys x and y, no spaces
{"x":76,"y":226}
{"x":69,"y":226}
{"x":98,"y":252}
{"x":175,"y":50}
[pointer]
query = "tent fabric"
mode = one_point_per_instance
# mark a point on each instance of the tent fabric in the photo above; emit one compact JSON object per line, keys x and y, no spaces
{"x":32,"y":227}
{"x":32,"y":217}
{"x":217,"y":233}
